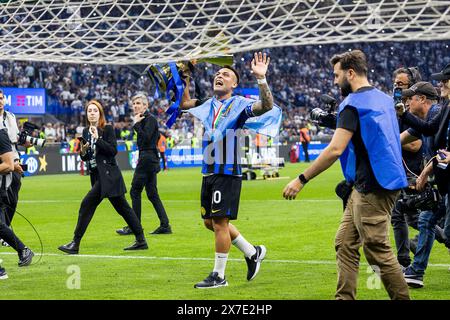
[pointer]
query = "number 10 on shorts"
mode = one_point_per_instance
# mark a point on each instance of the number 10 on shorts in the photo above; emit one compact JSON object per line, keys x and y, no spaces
{"x":217,"y":197}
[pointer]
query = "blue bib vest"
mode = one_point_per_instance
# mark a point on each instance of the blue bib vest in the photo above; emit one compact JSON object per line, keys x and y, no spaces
{"x":381,"y":137}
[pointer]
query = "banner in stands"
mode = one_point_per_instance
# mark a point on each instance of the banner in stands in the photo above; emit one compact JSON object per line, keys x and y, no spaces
{"x":52,"y":163}
{"x":251,"y":93}
{"x":24,"y":100}
{"x":314,"y":149}
{"x":50,"y":160}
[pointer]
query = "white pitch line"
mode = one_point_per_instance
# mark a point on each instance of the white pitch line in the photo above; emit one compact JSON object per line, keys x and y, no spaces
{"x":95,"y":256}
{"x":189,"y":200}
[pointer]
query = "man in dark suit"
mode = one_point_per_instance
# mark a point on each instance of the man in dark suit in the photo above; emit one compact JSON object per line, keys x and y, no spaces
{"x":148,"y":165}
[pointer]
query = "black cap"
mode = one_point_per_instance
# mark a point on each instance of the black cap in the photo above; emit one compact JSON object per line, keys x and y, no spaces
{"x":421,"y":88}
{"x":443,"y":75}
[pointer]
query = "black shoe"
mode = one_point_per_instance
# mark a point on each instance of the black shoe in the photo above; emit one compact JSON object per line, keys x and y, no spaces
{"x":439,"y":234}
{"x":412,"y":278}
{"x":3,"y":274}
{"x":212,"y":281}
{"x":254,"y":262}
{"x":162,"y":230}
{"x":447,"y":244}
{"x":125,"y":231}
{"x":25,"y":257}
{"x":70,"y":248}
{"x":138,"y":245}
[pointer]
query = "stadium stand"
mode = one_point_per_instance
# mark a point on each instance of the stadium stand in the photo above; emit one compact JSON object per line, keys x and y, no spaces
{"x":298,"y":76}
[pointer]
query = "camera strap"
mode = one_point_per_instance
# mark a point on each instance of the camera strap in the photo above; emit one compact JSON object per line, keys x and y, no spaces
{"x":3,"y":193}
{"x":4,"y":121}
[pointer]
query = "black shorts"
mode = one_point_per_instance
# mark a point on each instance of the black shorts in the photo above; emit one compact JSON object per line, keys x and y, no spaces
{"x":220,"y":196}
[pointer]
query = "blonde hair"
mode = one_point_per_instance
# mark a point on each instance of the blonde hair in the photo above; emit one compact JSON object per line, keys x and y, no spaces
{"x":101,"y":120}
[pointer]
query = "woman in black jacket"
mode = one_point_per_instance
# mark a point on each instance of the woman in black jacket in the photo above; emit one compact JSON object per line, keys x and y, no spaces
{"x":98,"y":150}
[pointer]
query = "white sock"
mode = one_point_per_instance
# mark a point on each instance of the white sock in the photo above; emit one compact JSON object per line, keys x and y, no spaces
{"x":246,"y":247}
{"x":220,"y":263}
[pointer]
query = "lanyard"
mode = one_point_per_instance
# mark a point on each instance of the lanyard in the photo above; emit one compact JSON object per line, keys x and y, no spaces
{"x":448,"y":135}
{"x":222,"y":110}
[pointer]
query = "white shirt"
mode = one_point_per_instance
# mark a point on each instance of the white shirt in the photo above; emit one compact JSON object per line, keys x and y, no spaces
{"x":8,"y":121}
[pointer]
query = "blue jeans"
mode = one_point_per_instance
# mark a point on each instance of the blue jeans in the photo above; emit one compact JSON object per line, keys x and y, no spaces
{"x":427,"y":222}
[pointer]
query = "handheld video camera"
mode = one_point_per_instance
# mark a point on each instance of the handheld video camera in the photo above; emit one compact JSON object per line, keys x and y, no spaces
{"x":26,"y":135}
{"x":425,"y":200}
{"x":325,"y":117}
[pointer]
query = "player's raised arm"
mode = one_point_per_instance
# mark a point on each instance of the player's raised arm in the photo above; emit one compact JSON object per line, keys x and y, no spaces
{"x":260,"y":64}
{"x":186,"y":101}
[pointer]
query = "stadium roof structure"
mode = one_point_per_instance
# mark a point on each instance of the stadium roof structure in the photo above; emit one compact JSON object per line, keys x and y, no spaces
{"x":146,"y":31}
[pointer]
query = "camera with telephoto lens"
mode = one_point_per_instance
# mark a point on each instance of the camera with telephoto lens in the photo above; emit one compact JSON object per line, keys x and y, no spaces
{"x":425,"y":200}
{"x":26,"y":135}
{"x":325,"y":117}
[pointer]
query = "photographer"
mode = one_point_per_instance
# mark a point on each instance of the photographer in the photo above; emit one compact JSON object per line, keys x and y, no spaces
{"x":367,"y":143}
{"x":402,"y":216}
{"x":148,"y":165}
{"x":437,"y":127}
{"x":10,"y":135}
{"x":6,"y":233}
{"x":422,"y":102}
{"x":8,"y":122}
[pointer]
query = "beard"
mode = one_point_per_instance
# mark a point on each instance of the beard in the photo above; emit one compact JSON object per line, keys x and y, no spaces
{"x":346,"y":88}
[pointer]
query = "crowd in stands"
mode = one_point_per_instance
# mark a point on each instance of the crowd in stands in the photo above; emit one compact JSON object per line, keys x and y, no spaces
{"x":297,"y":76}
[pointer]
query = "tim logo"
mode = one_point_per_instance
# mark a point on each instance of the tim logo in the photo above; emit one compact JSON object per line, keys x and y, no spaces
{"x":33,"y":165}
{"x":20,"y":100}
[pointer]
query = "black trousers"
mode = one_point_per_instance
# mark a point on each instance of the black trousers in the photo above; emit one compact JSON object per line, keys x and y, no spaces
{"x":90,"y":204}
{"x":305,"y":150}
{"x":163,"y":158}
{"x":6,"y":233}
{"x":146,"y":177}
{"x":400,"y":221}
{"x":13,"y":197}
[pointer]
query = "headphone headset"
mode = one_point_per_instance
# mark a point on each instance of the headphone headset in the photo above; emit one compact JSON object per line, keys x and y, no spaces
{"x":414,"y":75}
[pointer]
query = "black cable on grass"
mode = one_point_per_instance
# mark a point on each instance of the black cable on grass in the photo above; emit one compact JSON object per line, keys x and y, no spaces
{"x":35,"y":231}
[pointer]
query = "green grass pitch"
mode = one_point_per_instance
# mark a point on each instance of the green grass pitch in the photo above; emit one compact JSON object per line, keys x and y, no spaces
{"x":299,"y":236}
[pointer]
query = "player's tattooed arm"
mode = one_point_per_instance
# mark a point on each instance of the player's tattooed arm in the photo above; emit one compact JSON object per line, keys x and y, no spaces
{"x":260,"y":64}
{"x":266,"y":100}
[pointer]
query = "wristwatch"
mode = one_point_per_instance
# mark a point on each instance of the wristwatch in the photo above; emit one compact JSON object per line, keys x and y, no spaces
{"x":302,"y":179}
